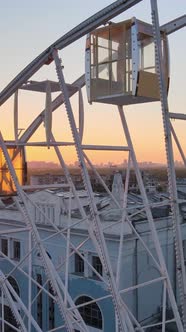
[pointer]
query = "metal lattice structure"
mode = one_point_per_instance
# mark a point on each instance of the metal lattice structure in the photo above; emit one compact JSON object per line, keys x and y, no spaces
{"x":56,"y":285}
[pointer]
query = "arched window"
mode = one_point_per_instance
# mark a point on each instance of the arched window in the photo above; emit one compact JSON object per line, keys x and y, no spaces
{"x":90,"y":313}
{"x":14,"y":285}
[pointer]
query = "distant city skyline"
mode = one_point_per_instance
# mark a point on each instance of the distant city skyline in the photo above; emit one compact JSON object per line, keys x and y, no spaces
{"x":27,"y":28}
{"x":51,"y":164}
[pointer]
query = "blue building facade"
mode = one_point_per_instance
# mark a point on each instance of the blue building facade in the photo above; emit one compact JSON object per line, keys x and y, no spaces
{"x":84,"y":285}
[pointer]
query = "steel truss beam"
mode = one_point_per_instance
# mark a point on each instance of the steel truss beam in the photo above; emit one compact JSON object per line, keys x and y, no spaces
{"x":9,"y":292}
{"x":170,"y":161}
{"x":174,"y":25}
{"x":80,"y":82}
{"x":125,"y":317}
{"x":177,"y":116}
{"x":150,"y":221}
{"x":102,"y":17}
{"x":48,"y":265}
{"x":94,"y":227}
{"x":82,"y":29}
{"x":169,"y":28}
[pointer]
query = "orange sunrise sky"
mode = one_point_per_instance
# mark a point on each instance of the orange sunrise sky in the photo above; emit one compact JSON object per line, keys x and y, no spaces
{"x":27,"y":28}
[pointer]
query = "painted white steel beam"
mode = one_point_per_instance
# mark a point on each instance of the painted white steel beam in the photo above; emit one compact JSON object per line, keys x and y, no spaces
{"x":80,"y":82}
{"x":11,"y":292}
{"x":82,"y":29}
{"x":94,"y":227}
{"x":84,"y":146}
{"x":101,"y":17}
{"x":174,"y":25}
{"x":44,"y":186}
{"x":172,"y":188}
{"x":151,"y":223}
{"x":38,"y":144}
{"x":177,"y":116}
{"x":178,"y":144}
{"x":105,"y":148}
{"x":48,"y":265}
{"x":58,"y":101}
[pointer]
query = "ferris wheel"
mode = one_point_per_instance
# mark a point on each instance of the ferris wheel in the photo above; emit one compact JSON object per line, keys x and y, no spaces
{"x":93,"y":239}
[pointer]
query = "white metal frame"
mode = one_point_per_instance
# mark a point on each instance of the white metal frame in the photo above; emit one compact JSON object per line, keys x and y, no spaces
{"x":170,"y":162}
{"x":125,"y":320}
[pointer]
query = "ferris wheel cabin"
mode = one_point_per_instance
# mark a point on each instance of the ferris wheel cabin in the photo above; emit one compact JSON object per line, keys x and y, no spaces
{"x":18,"y":158}
{"x":120,"y":64}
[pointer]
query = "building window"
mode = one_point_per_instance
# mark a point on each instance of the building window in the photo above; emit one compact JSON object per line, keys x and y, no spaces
{"x":51,"y":307}
{"x":11,"y":248}
{"x":16,"y":250}
{"x":184,"y":250}
{"x":90,"y":313}
{"x":96,"y":263}
{"x":44,"y":213}
{"x":4,"y":246}
{"x":39,"y":302}
{"x":79,"y":264}
{"x":9,"y":318}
